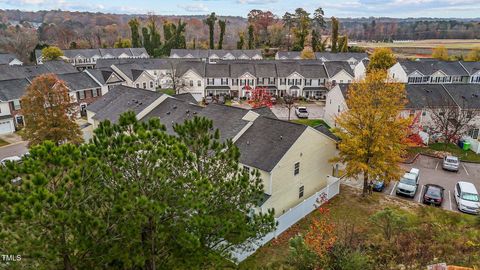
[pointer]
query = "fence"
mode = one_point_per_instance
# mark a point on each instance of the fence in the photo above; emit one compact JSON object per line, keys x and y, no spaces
{"x":293,"y":215}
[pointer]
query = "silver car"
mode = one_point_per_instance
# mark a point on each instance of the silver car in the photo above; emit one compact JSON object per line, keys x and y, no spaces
{"x":408,"y":184}
{"x":451,"y":163}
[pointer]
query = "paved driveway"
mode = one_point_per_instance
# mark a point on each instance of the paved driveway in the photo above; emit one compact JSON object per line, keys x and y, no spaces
{"x":315,"y":111}
{"x":15,"y":149}
{"x":431,"y":172}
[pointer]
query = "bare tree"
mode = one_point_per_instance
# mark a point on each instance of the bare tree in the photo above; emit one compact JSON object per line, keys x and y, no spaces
{"x":173,"y":74}
{"x":289,"y":104}
{"x":450,"y":119}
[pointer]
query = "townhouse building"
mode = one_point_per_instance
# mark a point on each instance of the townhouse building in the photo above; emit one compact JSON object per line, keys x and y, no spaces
{"x":14,"y":81}
{"x":429,"y":72}
{"x":473,"y":70}
{"x":292,"y":159}
{"x":87,"y":58}
{"x":216,"y":55}
{"x":235,"y":78}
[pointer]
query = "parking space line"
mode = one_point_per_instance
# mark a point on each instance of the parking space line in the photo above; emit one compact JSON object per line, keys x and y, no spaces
{"x":394,"y":187}
{"x":465,"y":169}
{"x":450,"y":200}
{"x":420,"y":195}
{"x":436,"y":166}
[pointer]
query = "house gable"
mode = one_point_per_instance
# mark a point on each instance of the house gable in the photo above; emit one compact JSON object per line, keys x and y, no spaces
{"x":295,"y":75}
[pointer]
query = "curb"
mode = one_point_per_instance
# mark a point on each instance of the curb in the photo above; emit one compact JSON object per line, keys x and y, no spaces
{"x":12,"y":144}
{"x":412,"y":160}
{"x":464,"y":161}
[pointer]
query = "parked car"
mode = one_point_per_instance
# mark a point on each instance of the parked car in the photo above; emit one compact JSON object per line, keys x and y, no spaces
{"x":10,"y":159}
{"x":433,"y":194}
{"x":301,"y":112}
{"x":378,"y":185}
{"x":467,"y":198}
{"x":408,"y":183}
{"x":451,"y":163}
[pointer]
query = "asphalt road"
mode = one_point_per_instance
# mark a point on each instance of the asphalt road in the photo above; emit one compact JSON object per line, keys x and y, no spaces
{"x":15,"y":149}
{"x":431,"y":172}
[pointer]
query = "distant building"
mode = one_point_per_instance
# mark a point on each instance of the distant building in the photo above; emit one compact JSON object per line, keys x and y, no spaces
{"x":87,"y":58}
{"x":214,"y":55}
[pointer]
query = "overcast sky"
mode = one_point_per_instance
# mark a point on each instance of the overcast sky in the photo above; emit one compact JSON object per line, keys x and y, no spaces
{"x":339,"y":8}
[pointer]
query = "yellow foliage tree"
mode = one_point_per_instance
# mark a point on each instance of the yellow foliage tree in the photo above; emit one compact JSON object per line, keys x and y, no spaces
{"x":51,"y":53}
{"x":473,"y":55}
{"x":382,"y":59}
{"x":440,"y":53}
{"x":372,"y":135}
{"x":307,"y":53}
{"x":49,"y":113}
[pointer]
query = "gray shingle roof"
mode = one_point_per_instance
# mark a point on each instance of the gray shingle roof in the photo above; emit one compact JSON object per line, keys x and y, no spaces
{"x":16,"y":72}
{"x":265,"y":111}
{"x":199,"y":53}
{"x":184,"y":66}
{"x":59,"y":67}
{"x":122,"y":99}
{"x":325,"y":130}
{"x":90,"y":53}
{"x":194,"y":53}
{"x":421,"y":96}
{"x":6,"y":58}
{"x":13,"y":89}
{"x":220,"y":70}
{"x":227,"y":119}
{"x":471,"y":67}
{"x":173,"y":111}
{"x":239,"y":69}
{"x":429,"y":67}
{"x":188,"y":97}
{"x":313,"y":70}
{"x":265,"y":70}
{"x":329,"y":56}
{"x":334,"y":67}
{"x":286,"y":68}
{"x":78,"y":81}
{"x":466,"y":96}
{"x":289,"y":55}
{"x":265,"y":143}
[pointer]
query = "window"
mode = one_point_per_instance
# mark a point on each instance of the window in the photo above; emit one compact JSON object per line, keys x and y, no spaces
{"x":151,"y":84}
{"x":137,"y":85}
{"x":81,"y":95}
{"x":473,"y":133}
{"x":199,"y":83}
{"x":283,"y":81}
{"x":412,"y":113}
{"x":144,"y":85}
{"x":16,"y":105}
{"x":424,"y":113}
{"x":300,"y":192}
{"x":469,"y":114}
{"x":246,"y":169}
{"x":338,"y":108}
{"x":94,"y":92}
{"x":191,"y":83}
{"x":296,"y":168}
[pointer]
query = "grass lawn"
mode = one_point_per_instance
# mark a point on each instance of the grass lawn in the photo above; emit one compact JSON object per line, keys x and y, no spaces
{"x":349,"y":207}
{"x":451,"y":148}
{"x":170,"y":92}
{"x":310,"y":122}
{"x":3,"y":143}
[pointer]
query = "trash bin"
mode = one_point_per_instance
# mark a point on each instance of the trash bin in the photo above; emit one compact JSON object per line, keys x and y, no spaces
{"x":466,"y":146}
{"x":460,"y":143}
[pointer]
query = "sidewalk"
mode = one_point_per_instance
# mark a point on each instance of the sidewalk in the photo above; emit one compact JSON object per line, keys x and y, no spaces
{"x":11,"y":138}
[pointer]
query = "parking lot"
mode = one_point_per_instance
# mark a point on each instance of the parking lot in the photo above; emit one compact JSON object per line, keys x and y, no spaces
{"x":315,"y":111}
{"x":431,"y":172}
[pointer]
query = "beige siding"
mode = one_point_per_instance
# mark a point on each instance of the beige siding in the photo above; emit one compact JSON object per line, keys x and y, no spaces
{"x":313,"y":150}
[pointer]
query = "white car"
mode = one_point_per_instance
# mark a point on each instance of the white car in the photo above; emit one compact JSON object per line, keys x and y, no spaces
{"x":408,"y":184}
{"x":467,"y":198}
{"x":301,"y":112}
{"x":11,"y":159}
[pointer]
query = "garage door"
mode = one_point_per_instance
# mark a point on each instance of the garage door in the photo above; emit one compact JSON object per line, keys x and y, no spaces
{"x":5,"y":127}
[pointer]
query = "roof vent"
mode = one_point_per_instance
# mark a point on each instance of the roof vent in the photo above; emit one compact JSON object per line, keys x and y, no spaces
{"x":168,"y":113}
{"x":248,"y":142}
{"x":174,"y":107}
{"x":463,"y":97}
{"x":194,"y":112}
{"x":281,"y":137}
{"x":188,"y":111}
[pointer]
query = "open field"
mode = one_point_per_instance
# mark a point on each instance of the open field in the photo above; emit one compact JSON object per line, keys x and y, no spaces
{"x":465,"y":44}
{"x":423,"y":48}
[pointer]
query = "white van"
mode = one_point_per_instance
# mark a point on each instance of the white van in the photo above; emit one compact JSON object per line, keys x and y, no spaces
{"x":467,"y":198}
